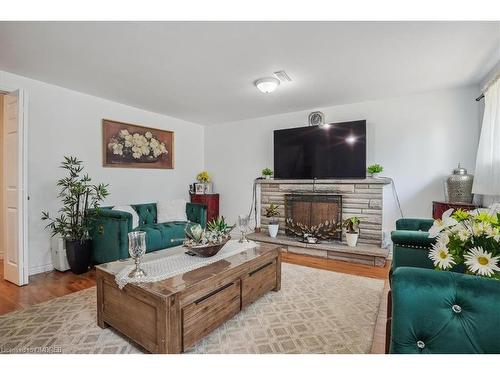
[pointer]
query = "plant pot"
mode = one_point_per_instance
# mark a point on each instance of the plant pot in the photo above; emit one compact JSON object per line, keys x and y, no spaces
{"x":267,"y":177}
{"x":79,"y":255}
{"x":374,"y":175}
{"x":273,"y":229}
{"x":352,"y":239}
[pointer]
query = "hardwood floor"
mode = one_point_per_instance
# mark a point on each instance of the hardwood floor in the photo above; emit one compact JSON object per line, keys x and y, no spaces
{"x":42,"y":287}
{"x":53,"y":284}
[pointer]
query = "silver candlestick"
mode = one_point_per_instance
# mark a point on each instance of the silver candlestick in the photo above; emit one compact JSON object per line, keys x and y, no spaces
{"x":137,"y":249}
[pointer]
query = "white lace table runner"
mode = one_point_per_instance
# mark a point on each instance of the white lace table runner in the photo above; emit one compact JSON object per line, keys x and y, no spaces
{"x":175,"y":264}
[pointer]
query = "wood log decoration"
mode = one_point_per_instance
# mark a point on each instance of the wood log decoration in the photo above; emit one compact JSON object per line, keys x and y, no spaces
{"x":324,"y":231}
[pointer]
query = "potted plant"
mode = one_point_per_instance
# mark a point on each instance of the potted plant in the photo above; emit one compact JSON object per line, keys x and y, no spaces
{"x":267,"y":173}
{"x":78,"y":195}
{"x":272,"y":213}
{"x":204,"y":179}
{"x":468,"y":241}
{"x":352,"y":230}
{"x":374,"y":170}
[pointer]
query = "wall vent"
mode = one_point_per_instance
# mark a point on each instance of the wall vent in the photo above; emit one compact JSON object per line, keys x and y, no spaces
{"x":282,"y":76}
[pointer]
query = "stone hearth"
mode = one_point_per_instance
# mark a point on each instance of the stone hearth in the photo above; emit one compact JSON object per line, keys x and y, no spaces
{"x":361,"y":198}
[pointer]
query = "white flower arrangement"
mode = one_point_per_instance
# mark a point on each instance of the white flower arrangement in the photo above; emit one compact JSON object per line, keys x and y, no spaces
{"x":138,"y":146}
{"x":468,"y":238}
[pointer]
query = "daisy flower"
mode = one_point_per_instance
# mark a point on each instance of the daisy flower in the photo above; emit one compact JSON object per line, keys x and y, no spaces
{"x":493,"y":232}
{"x":445,"y":222}
{"x":440,"y":256}
{"x":481,"y":262}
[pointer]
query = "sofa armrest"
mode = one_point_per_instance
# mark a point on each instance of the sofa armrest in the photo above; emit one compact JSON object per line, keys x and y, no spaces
{"x":414,"y":224}
{"x":444,"y":312}
{"x":109,"y":233}
{"x":412,"y":238}
{"x":197,"y":213}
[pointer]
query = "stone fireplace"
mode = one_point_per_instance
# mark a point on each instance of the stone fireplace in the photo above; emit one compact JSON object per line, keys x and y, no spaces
{"x":318,"y":215}
{"x":311,"y":203}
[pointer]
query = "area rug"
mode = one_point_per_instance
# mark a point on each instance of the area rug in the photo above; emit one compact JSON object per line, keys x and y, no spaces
{"x":316,"y":311}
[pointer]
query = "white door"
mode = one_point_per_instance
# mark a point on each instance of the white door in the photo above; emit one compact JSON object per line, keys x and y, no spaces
{"x":14,"y":194}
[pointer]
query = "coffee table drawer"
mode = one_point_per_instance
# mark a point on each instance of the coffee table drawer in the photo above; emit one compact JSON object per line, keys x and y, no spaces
{"x":258,"y":282}
{"x":210,"y":311}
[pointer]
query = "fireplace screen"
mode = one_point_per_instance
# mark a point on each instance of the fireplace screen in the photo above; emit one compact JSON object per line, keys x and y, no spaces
{"x":317,"y":215}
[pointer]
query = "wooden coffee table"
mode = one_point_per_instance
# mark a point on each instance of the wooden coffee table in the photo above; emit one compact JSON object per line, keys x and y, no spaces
{"x":170,"y":316}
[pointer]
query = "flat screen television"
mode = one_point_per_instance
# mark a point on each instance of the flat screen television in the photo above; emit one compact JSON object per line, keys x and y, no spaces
{"x":336,"y":150}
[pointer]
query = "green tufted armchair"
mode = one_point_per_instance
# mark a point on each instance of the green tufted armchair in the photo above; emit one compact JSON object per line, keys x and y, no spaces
{"x":437,"y":311}
{"x":110,"y":230}
{"x":444,"y":312}
{"x":411,"y":243}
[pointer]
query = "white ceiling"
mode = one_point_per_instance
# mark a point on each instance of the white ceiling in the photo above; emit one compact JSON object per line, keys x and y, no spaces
{"x":204,"y":71}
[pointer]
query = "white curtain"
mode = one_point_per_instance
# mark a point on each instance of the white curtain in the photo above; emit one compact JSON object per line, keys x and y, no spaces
{"x":487,"y":173}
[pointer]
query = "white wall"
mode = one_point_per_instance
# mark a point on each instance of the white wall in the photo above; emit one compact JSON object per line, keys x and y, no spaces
{"x":65,"y":122}
{"x":418,"y":139}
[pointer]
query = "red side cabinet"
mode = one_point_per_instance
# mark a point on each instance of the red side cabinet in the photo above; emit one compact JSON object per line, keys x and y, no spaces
{"x":209,"y":200}
{"x":439,"y":207}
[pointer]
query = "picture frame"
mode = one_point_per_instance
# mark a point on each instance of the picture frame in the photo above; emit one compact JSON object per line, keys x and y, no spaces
{"x":199,"y":188}
{"x":127,"y":145}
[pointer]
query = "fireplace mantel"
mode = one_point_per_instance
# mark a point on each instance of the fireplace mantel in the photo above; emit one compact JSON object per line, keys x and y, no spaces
{"x":368,"y":180}
{"x":360,"y":197}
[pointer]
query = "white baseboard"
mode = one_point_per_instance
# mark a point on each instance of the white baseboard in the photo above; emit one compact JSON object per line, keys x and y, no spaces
{"x":39,"y":269}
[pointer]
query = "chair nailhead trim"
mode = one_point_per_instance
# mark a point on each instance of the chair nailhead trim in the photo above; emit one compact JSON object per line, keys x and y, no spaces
{"x":420,"y":344}
{"x":456,"y":309}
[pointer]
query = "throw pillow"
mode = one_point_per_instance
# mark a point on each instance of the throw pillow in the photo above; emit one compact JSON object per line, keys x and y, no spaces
{"x":129,"y":209}
{"x":173,"y":210}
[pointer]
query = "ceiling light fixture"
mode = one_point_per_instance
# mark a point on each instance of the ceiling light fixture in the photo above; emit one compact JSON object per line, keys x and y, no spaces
{"x":267,"y":84}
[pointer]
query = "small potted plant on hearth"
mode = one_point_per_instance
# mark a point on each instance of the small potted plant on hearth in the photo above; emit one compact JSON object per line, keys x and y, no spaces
{"x":78,"y":195}
{"x":374,"y":170}
{"x":272,"y":214}
{"x":351,"y":226}
{"x":267,"y":173}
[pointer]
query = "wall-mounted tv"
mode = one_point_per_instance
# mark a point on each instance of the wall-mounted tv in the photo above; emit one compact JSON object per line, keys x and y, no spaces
{"x":336,"y":150}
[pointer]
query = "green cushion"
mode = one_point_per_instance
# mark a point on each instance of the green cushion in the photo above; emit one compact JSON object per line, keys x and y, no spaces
{"x":414,"y":224}
{"x":422,"y":310}
{"x":147,"y":213}
{"x":163,"y":235}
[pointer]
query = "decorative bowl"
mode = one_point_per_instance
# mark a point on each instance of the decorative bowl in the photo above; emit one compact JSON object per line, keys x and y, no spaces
{"x":207,"y":250}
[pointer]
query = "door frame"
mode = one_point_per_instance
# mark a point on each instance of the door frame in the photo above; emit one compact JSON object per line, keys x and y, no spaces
{"x":23,"y":123}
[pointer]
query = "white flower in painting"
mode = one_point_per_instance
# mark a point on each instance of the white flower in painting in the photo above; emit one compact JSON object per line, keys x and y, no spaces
{"x":481,"y":262}
{"x":163,"y":148}
{"x":440,"y":256}
{"x":118,"y":149}
{"x":123,"y":133}
{"x":149,"y":135}
{"x":145,"y":150}
{"x":129,"y":138}
{"x":440,"y":224}
{"x":136,"y":155}
{"x":128,"y":144}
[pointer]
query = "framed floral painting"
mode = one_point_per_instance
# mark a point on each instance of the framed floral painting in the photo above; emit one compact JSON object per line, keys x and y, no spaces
{"x":133,"y":146}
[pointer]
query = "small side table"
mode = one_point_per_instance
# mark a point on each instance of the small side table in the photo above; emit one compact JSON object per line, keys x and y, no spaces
{"x":209,"y":200}
{"x":438,"y":207}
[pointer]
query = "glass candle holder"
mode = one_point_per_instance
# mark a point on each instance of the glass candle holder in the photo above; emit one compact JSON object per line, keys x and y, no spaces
{"x":243,"y":221}
{"x":137,"y":249}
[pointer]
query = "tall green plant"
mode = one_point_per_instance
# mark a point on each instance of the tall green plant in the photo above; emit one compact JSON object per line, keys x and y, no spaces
{"x":78,"y":195}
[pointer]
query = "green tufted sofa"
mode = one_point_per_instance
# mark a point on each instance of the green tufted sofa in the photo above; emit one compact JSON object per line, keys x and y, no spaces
{"x":110,"y":230}
{"x":436,"y":311}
